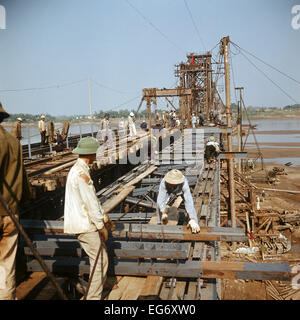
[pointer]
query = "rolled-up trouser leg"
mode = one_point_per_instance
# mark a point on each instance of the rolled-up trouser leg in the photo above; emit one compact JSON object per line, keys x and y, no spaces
{"x":8,"y":251}
{"x":90,"y":243}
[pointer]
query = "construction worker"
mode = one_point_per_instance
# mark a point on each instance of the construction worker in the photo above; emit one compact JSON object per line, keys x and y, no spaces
{"x":172,"y":119}
{"x":42,"y":128}
{"x":105,"y":133}
{"x":14,"y":188}
{"x":17,"y":130}
{"x":131,"y":125}
{"x":201,"y":119}
{"x":157,"y":116}
{"x":122,"y":127}
{"x":83,"y":214}
{"x":263,"y":196}
{"x":151,"y":145}
{"x":250,"y":164}
{"x":171,"y":186}
{"x":194,"y":120}
{"x":212,"y":149}
{"x":58,"y":141}
{"x":167,"y":120}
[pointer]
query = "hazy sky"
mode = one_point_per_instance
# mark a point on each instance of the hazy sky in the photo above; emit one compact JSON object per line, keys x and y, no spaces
{"x":57,"y":42}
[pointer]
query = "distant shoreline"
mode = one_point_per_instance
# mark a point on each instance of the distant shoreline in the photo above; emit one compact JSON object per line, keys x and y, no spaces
{"x":95,"y":122}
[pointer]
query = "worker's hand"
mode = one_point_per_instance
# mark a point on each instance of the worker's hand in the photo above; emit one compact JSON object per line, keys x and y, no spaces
{"x":194,"y":226}
{"x":164,"y":217}
{"x":108,"y":223}
{"x":103,"y":234}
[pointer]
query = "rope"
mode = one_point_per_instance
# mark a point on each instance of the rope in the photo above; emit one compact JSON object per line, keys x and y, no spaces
{"x":43,"y":88}
{"x":153,"y":26}
{"x":269,"y":78}
{"x":194,"y":24}
{"x":269,"y":65}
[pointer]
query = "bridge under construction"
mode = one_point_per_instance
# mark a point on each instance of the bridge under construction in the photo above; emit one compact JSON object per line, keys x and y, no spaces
{"x":147,"y":260}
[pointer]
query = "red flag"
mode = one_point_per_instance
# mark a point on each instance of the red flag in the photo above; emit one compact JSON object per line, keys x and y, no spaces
{"x":192,"y":59}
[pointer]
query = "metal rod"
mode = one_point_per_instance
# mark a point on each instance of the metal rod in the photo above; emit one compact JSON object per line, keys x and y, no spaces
{"x":29,"y":143}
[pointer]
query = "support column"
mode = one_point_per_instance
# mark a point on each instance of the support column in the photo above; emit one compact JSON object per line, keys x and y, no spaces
{"x":230,"y":162}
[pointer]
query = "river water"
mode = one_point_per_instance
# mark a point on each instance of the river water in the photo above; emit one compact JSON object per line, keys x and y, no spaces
{"x":273,"y":125}
{"x":261,"y":125}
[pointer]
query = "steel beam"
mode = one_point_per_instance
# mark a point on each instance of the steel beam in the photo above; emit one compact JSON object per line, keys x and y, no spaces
{"x":140,"y":231}
{"x":187,"y":269}
{"x":124,"y":249}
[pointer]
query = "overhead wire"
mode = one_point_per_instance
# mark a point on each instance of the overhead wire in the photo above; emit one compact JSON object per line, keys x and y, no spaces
{"x":194,"y":24}
{"x":232,"y":71}
{"x":106,"y":87}
{"x":57,"y":86}
{"x":266,"y":63}
{"x":154,"y":26}
{"x":258,"y":69}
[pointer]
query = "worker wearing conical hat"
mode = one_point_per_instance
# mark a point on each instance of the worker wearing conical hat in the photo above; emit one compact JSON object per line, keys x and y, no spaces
{"x":131,"y":125}
{"x":172,"y":185}
{"x":17,"y":130}
{"x":212,"y":149}
{"x":42,"y":128}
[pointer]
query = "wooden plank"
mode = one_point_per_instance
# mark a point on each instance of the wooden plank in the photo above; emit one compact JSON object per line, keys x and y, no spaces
{"x":178,"y":291}
{"x":45,"y":290}
{"x":151,"y":287}
{"x":140,"y":177}
{"x":129,"y":288}
{"x":115,"y":200}
{"x":26,"y":286}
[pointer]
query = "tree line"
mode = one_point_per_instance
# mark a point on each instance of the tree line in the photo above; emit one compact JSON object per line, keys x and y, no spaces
{"x":124,"y":113}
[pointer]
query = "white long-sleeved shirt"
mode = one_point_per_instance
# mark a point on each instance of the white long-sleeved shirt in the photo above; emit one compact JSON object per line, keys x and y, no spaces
{"x":42,"y":125}
{"x":163,"y":198}
{"x":104,"y":124}
{"x":131,"y":125}
{"x":83,"y":212}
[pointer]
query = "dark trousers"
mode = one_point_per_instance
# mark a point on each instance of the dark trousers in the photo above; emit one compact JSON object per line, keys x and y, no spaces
{"x":210,"y":153}
{"x":43,"y":138}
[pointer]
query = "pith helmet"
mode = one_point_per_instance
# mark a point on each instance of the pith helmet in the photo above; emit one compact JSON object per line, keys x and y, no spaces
{"x":131,"y":114}
{"x":19,"y":119}
{"x":174,"y":177}
{"x":212,"y":138}
{"x":87,"y":145}
{"x":4,"y":113}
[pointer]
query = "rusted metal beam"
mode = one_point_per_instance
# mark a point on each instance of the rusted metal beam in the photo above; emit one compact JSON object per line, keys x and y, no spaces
{"x":139,"y":231}
{"x":187,"y":269}
{"x":161,"y":93}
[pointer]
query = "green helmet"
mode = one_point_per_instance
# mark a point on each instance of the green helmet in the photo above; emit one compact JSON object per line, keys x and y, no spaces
{"x":87,"y":145}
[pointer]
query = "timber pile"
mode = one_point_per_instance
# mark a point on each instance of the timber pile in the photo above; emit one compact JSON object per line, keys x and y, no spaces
{"x":279,"y":290}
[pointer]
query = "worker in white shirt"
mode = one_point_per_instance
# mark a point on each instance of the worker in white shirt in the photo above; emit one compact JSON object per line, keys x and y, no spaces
{"x":131,"y":125}
{"x":42,"y":128}
{"x":122,"y":127}
{"x":171,"y":186}
{"x":212,"y":149}
{"x":105,"y":133}
{"x":194,"y":120}
{"x":84,"y":216}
